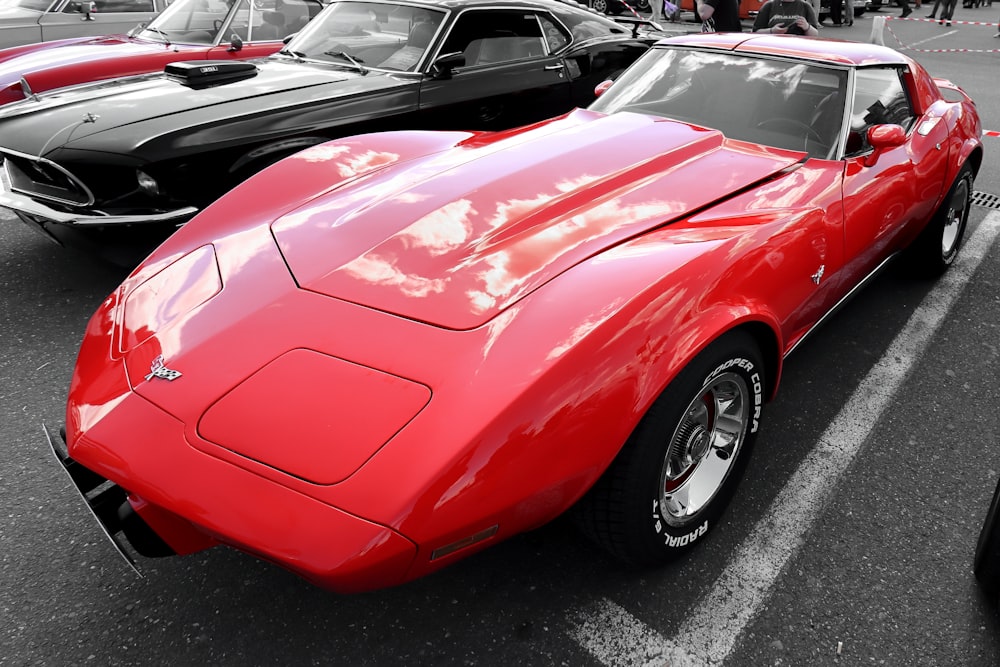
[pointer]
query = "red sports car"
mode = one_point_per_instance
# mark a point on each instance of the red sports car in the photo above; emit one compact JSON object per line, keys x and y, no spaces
{"x":386,"y":352}
{"x":186,"y":30}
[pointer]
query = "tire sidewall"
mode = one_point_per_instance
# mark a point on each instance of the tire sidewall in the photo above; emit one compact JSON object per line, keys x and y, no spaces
{"x":947,"y":259}
{"x":659,"y":539}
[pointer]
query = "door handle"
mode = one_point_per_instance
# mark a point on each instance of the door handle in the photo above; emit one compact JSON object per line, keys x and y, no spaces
{"x":552,"y":68}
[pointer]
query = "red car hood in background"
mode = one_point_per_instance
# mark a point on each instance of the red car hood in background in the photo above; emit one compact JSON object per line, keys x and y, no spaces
{"x":459,"y":237}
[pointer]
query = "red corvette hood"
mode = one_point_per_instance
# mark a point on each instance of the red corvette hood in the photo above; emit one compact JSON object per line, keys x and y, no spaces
{"x":455,"y":238}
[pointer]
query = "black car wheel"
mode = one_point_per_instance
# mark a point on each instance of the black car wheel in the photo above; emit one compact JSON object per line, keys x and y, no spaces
{"x":937,"y":246}
{"x":600,"y":5}
{"x":987,"y":561}
{"x":670,"y":483}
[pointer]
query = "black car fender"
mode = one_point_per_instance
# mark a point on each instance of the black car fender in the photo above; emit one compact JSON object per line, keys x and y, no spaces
{"x":266,"y":154}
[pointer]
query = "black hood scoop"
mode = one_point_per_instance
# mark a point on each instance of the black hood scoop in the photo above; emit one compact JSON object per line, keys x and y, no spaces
{"x":205,"y":73}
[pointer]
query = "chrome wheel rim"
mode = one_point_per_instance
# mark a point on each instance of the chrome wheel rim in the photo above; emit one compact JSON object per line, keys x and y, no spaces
{"x":703,"y":448}
{"x":955,"y":219}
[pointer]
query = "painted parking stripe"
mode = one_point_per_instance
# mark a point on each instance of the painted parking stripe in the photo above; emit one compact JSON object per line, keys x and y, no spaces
{"x":712,"y":629}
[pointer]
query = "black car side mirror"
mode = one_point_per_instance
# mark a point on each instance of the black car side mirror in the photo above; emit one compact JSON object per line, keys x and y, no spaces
{"x":235,"y":43}
{"x":442,"y":67}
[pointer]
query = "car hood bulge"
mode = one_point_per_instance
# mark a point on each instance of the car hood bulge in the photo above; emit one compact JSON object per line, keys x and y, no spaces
{"x":457,"y":237}
{"x":127,"y":104}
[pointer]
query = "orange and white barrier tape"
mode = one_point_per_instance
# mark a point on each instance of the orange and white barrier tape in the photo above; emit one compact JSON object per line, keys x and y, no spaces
{"x":879,"y":27}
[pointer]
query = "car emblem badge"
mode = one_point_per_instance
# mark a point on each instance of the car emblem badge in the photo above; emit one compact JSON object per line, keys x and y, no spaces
{"x":158,"y":370}
{"x":818,"y":276}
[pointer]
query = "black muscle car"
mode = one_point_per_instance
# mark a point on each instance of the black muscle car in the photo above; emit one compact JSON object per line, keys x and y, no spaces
{"x":152,"y":150}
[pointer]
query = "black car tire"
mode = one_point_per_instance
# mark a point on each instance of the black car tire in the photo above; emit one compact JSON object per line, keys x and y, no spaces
{"x":600,"y":6}
{"x":987,"y":560}
{"x":935,"y":249}
{"x":697,"y":434}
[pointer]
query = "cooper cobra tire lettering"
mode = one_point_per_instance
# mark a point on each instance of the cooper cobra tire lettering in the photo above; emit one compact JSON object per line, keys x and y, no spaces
{"x":685,"y":457}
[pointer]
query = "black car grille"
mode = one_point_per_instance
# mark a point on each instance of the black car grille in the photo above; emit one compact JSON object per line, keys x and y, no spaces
{"x":37,"y":177}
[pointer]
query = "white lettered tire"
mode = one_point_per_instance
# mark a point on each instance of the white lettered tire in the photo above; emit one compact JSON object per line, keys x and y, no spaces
{"x":676,"y":473}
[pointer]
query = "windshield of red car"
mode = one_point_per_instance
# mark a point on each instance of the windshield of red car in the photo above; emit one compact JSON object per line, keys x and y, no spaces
{"x":771,"y":101}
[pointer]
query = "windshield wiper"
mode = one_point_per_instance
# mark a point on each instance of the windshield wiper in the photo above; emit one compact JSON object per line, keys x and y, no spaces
{"x":298,"y":55}
{"x":357,"y":62}
{"x":166,"y":39}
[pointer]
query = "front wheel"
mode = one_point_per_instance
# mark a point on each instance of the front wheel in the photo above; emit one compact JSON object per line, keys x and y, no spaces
{"x":937,"y":246}
{"x":600,"y":6}
{"x":676,"y":473}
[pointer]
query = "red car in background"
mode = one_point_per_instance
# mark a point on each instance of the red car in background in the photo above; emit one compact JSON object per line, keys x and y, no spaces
{"x":186,"y":30}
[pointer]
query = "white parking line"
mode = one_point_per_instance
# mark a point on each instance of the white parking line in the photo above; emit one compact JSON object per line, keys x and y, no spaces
{"x":711,"y":630}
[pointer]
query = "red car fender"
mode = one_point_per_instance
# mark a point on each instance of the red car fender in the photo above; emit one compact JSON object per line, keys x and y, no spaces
{"x":546,"y":446}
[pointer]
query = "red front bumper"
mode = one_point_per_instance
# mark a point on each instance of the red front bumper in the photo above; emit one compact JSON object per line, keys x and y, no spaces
{"x":192,"y":500}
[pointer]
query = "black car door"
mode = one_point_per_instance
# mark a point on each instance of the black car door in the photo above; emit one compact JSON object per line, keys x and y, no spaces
{"x":509,"y":78}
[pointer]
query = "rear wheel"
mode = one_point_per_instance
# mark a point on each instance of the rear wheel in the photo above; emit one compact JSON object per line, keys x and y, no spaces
{"x":937,"y":246}
{"x":673,"y":478}
{"x":600,"y":5}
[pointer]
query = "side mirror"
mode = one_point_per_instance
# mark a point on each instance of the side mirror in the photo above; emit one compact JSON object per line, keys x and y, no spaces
{"x":87,"y":9}
{"x":881,"y":138}
{"x":442,"y":67}
{"x":602,"y":87}
{"x":235,"y":43}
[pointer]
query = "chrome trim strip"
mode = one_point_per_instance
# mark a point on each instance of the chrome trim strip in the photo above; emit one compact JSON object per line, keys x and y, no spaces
{"x":69,"y":176}
{"x":837,"y":306}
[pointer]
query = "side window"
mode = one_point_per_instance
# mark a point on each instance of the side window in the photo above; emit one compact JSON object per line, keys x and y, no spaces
{"x":555,"y":35}
{"x":584,"y":26}
{"x":491,"y":36}
{"x":114,"y":6}
{"x":880,"y":97}
{"x":239,"y":24}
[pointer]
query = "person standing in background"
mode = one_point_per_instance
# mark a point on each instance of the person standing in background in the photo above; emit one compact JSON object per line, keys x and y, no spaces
{"x":791,"y":17}
{"x":719,"y":15}
{"x":947,"y":11}
{"x":656,"y":11}
{"x":836,"y":11}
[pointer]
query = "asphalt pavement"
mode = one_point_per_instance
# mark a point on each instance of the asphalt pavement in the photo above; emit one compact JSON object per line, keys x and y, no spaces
{"x":849,"y":543}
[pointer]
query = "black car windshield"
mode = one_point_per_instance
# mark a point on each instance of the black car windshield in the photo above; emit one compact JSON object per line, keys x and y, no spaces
{"x":372,"y":34}
{"x":771,"y":101}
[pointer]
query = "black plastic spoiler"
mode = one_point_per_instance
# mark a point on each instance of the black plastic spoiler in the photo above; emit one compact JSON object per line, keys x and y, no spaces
{"x":108,"y":503}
